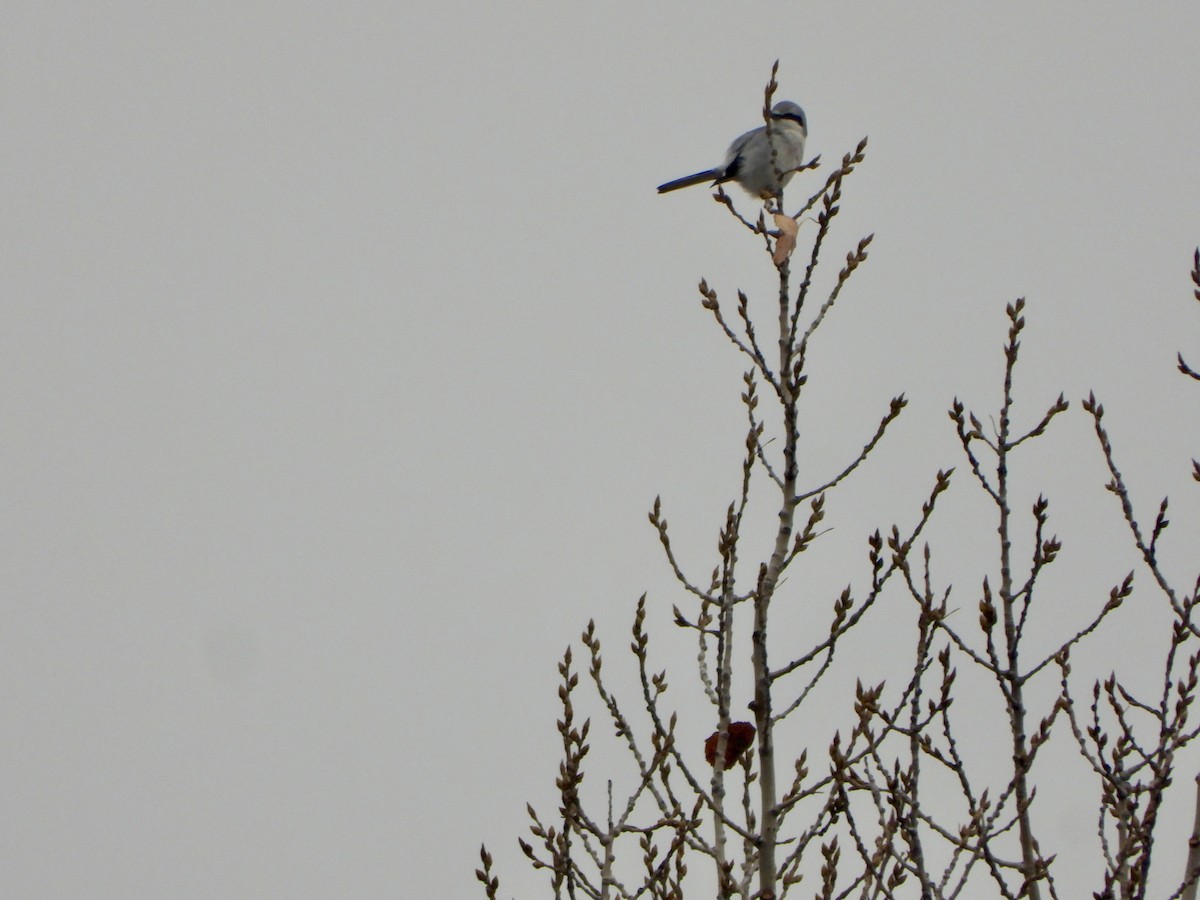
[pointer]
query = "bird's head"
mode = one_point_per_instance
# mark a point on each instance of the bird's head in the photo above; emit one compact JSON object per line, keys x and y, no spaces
{"x":787,"y":110}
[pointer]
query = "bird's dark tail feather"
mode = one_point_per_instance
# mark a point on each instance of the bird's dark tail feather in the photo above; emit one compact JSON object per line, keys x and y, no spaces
{"x":698,"y":178}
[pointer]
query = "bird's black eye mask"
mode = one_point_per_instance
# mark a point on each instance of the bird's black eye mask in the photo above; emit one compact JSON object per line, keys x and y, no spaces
{"x":793,"y":117}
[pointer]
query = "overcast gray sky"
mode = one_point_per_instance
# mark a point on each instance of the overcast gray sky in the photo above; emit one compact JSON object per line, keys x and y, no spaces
{"x":345,"y":346}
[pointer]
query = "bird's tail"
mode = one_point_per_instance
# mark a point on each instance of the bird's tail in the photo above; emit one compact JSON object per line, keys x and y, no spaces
{"x":698,"y":178}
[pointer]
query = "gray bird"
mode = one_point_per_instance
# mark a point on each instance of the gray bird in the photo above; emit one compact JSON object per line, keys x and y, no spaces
{"x":748,"y":161}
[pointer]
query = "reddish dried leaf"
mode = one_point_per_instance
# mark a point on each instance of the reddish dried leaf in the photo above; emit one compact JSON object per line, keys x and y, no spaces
{"x":741,"y":736}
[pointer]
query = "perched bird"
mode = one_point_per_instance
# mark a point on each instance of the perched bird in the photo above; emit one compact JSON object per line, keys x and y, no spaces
{"x":749,"y":160}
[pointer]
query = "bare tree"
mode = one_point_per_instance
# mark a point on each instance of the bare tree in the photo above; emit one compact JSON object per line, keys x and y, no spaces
{"x":1131,"y":743}
{"x":896,"y":807}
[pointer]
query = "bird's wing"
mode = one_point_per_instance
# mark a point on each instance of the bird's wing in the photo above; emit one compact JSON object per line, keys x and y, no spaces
{"x":734,"y":155}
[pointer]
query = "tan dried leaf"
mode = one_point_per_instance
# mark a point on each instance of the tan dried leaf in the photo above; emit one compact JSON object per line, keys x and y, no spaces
{"x":785,"y":242}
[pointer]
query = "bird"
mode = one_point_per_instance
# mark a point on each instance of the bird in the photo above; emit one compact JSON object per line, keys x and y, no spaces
{"x":749,"y":159}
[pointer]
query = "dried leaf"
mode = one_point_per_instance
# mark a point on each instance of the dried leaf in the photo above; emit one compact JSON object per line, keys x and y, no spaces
{"x":785,"y":242}
{"x":741,"y":736}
